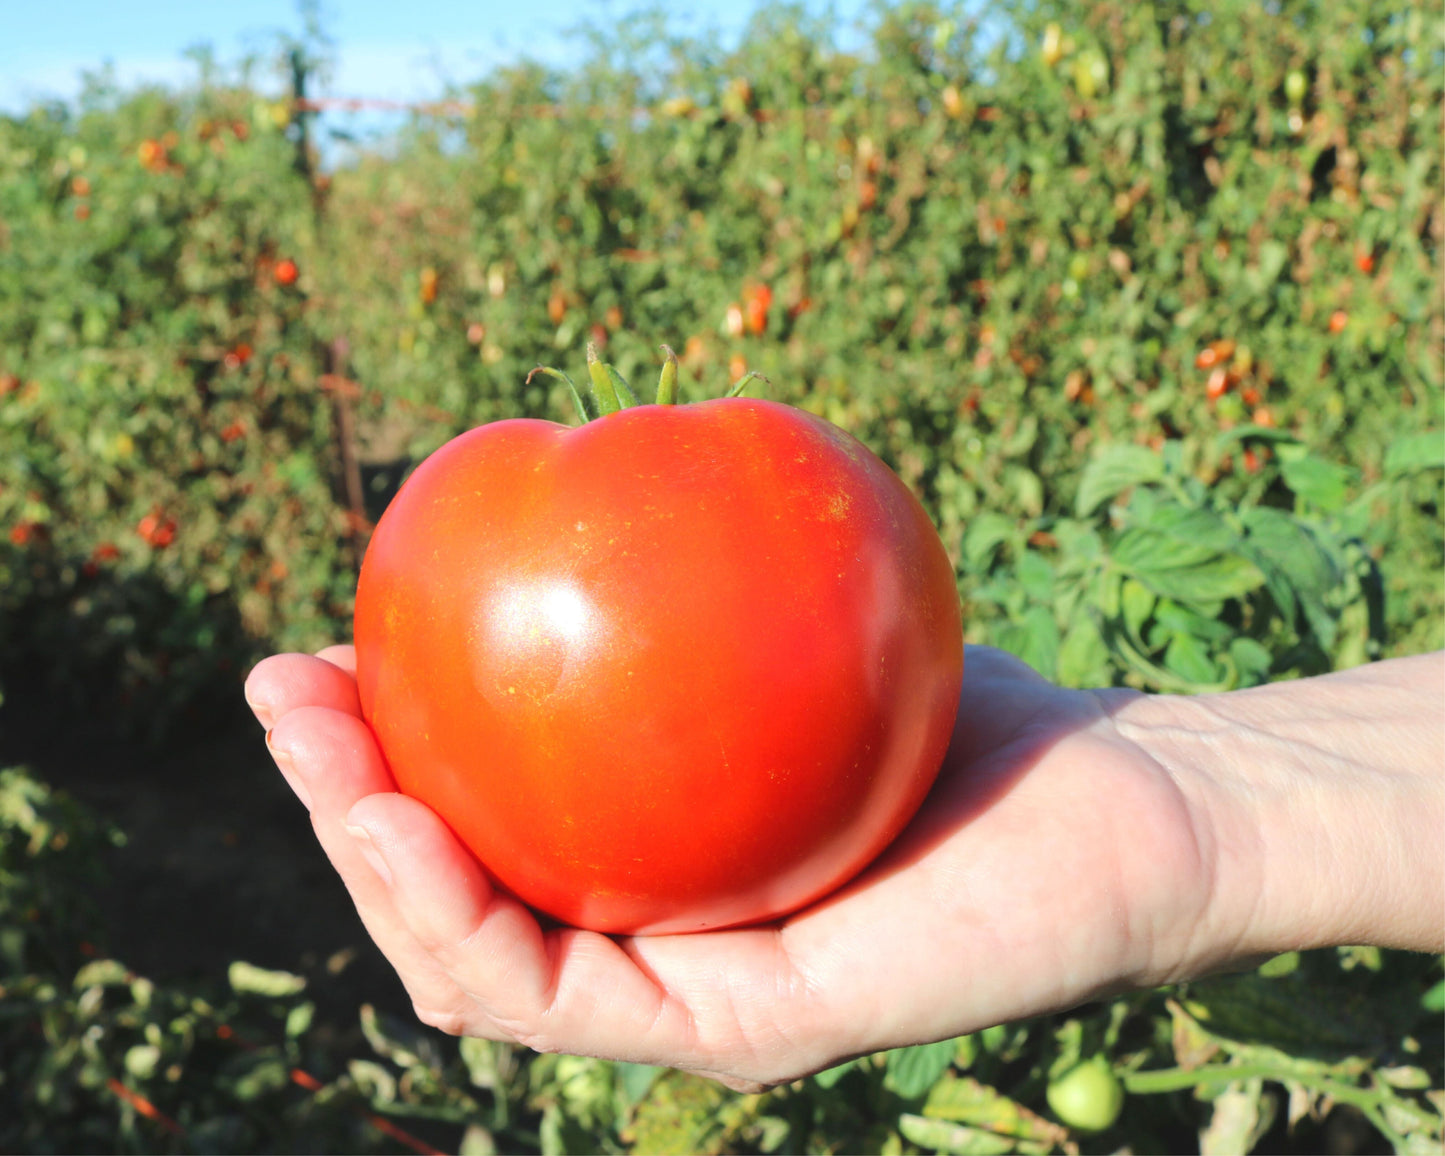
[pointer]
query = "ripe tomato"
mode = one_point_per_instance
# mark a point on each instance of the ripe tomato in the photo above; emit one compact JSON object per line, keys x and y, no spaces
{"x":285,"y":272}
{"x":681,"y":667}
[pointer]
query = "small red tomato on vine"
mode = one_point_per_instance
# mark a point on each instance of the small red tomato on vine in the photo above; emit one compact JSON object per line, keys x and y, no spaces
{"x":1218,"y":384}
{"x":285,"y":272}
{"x":151,"y":154}
{"x":759,"y":300}
{"x":1338,"y":320}
{"x":156,"y":530}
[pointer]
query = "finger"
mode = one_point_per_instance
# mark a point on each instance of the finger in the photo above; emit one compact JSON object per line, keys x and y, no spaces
{"x":342,"y":656}
{"x":332,"y":760}
{"x":284,"y":682}
{"x":566,"y":990}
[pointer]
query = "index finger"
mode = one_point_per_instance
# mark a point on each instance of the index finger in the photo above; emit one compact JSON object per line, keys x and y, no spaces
{"x":283,"y":682}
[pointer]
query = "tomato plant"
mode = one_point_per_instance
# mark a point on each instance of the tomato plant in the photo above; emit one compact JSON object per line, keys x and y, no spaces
{"x":683,"y":666}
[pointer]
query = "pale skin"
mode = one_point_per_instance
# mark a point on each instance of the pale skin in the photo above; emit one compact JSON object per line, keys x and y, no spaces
{"x":1077,"y":843}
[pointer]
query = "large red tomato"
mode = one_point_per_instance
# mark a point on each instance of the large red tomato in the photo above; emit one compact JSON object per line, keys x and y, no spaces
{"x":681,"y":667}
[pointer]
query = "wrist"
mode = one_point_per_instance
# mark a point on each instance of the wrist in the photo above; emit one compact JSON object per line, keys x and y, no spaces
{"x":1319,"y":808}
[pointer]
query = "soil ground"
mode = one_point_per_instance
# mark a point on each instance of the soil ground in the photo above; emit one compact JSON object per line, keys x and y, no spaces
{"x":219,"y":862}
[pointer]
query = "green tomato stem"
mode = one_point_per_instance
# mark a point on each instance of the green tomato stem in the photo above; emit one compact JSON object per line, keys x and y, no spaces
{"x":1177,"y":1079}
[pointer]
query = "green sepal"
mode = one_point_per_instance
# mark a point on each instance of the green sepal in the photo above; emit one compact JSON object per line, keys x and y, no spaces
{"x":604,"y":387}
{"x":667,"y":383}
{"x":583,"y":410}
{"x":742,"y":383}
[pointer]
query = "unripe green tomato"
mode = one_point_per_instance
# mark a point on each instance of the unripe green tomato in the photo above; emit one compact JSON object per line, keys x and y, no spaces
{"x":1078,"y":266}
{"x":1295,"y":86}
{"x":1088,"y":1096}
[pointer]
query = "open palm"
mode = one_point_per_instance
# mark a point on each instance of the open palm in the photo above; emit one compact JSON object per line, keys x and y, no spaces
{"x":1054,"y":860}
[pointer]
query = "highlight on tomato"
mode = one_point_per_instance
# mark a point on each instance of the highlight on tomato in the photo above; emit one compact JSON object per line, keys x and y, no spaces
{"x":683,"y":666}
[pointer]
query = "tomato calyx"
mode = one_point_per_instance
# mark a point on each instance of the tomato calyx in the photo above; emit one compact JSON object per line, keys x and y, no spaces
{"x":608,"y":391}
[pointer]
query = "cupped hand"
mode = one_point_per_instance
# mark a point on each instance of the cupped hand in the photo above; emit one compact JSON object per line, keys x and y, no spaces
{"x":1054,"y":861}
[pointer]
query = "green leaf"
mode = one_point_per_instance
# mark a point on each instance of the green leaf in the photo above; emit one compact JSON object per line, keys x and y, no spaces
{"x":102,"y":973}
{"x":1188,"y":657}
{"x":636,"y":1080}
{"x":1251,"y":659}
{"x":1321,"y":483}
{"x":1434,"y":999}
{"x":964,"y":1100}
{"x":298,"y":1019}
{"x":1113,"y":469}
{"x":266,"y":1072}
{"x":1179,"y":619}
{"x":912,"y":1071}
{"x":1298,"y":571}
{"x":983,"y":537}
{"x":830,"y":1076}
{"x":1280,"y":965}
{"x":1138,"y":604}
{"x":1419,"y":451}
{"x":1083,"y":656}
{"x":1033,"y":638}
{"x":959,"y":1139}
{"x":1036,"y":576}
{"x":1195,"y":526}
{"x":248,"y":979}
{"x":141,"y":1060}
{"x":1173,"y":568}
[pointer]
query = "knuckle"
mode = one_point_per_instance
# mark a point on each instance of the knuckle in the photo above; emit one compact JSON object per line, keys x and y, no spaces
{"x":446,"y":1020}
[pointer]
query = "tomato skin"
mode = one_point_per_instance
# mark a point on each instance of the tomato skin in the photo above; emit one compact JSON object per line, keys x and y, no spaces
{"x":681,"y":667}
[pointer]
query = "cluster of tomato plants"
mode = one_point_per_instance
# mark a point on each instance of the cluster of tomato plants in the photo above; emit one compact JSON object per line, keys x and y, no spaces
{"x":168,"y":502}
{"x":1143,"y":306}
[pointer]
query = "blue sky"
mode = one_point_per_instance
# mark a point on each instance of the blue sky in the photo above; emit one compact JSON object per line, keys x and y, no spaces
{"x":384,"y":49}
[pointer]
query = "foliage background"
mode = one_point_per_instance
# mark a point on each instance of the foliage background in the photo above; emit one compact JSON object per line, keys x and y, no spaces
{"x":1143,"y":300}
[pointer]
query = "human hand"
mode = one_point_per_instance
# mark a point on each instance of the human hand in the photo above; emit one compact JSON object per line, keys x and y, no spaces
{"x":1070,"y":848}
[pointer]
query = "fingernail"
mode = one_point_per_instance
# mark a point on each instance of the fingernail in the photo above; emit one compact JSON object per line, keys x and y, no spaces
{"x":260,"y":709}
{"x":369,"y":852}
{"x":287,"y":766}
